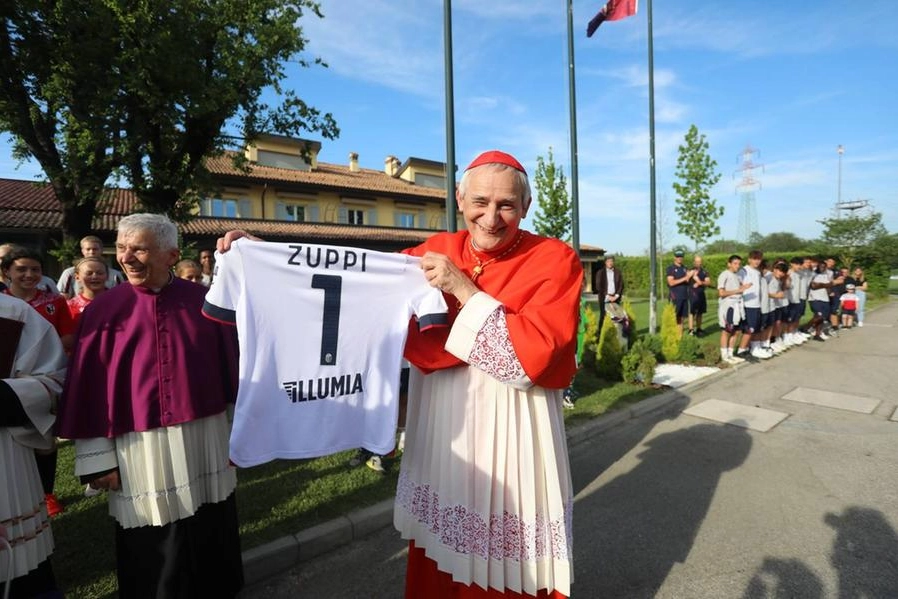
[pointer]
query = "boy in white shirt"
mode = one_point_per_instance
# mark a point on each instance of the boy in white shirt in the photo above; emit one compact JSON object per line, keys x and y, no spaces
{"x":730,"y":310}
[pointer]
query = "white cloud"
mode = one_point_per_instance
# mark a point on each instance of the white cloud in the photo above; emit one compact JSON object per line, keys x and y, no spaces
{"x":377,"y":42}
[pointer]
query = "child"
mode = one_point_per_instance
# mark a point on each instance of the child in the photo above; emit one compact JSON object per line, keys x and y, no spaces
{"x":90,"y":278}
{"x":848,"y":301}
{"x":189,"y":271}
{"x":731,"y":309}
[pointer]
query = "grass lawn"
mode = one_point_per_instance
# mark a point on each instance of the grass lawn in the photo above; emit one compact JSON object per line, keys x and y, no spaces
{"x":273,"y":500}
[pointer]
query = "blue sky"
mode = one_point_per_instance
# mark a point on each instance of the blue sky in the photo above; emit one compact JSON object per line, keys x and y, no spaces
{"x":793,"y":79}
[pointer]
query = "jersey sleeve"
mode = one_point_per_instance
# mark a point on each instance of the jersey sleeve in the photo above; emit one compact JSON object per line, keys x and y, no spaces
{"x":429,"y":306}
{"x":226,"y":287}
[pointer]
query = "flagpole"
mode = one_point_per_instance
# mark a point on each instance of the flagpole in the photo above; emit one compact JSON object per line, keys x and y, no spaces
{"x":572,"y":105}
{"x":653,"y":237}
{"x":450,"y":118}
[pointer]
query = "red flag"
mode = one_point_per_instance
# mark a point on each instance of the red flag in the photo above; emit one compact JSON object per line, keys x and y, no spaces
{"x":613,"y":11}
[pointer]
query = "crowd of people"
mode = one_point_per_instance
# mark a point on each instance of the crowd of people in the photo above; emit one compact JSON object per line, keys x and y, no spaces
{"x":762,"y":302}
{"x":484,"y":413}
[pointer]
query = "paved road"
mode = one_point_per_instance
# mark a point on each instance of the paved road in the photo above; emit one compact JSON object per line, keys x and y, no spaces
{"x":672,"y":506}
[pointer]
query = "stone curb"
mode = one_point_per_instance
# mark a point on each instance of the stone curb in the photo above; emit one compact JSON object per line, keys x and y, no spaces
{"x":265,"y":561}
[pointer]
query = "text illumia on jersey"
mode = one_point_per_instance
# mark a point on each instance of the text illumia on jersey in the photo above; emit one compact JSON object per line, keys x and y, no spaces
{"x":323,"y":388}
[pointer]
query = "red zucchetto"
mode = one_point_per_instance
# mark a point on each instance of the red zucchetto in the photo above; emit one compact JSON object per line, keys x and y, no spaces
{"x":496,"y":156}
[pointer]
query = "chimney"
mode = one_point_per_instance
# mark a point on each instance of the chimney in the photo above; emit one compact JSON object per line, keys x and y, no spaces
{"x":353,"y":162}
{"x":391,"y":166}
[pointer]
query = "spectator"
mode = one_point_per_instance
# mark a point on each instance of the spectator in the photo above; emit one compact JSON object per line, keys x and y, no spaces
{"x":30,"y":348}
{"x":835,"y":291}
{"x":848,"y":301}
{"x":207,"y":261}
{"x":750,"y":344}
{"x":91,"y":247}
{"x":859,"y":279}
{"x":678,"y":287}
{"x":698,"y":303}
{"x":91,"y":276}
{"x":609,"y":286}
{"x":730,"y":309}
{"x":46,"y":283}
{"x":819,"y":300}
{"x":189,"y":271}
{"x":155,"y":433}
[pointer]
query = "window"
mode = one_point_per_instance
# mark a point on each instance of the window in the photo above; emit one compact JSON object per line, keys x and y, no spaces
{"x":226,"y":208}
{"x":282,"y":160}
{"x":405,"y":219}
{"x":434,"y":181}
{"x":296,"y":212}
{"x":356,"y":215}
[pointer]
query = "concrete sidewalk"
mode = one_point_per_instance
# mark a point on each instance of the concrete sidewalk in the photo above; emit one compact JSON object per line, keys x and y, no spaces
{"x":616,"y":462}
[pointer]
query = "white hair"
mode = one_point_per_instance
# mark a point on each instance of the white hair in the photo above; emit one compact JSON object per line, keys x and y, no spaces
{"x":164,"y":231}
{"x":523,"y":181}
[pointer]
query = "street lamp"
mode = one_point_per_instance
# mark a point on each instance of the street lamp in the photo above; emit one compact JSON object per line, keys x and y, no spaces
{"x":841,"y":151}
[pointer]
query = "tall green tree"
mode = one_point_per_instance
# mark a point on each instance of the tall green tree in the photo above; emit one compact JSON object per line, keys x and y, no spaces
{"x":553,"y":214}
{"x":698,"y":213}
{"x":847,"y":236}
{"x":144,"y":91}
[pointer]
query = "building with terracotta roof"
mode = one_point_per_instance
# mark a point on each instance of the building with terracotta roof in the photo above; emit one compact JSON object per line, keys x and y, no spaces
{"x":279,"y":192}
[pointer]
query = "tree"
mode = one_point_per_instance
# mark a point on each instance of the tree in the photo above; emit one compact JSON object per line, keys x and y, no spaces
{"x":553,"y":214}
{"x":97,"y":88}
{"x":725,"y":246}
{"x":845,"y":236}
{"x":698,"y":212}
{"x":783,"y":241}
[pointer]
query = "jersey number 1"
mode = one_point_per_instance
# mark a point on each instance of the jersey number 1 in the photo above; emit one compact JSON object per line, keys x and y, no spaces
{"x":332,"y":286}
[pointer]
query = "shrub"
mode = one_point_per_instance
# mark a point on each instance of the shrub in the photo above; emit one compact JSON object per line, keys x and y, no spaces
{"x":590,"y":338}
{"x":653,"y":344}
{"x":710,"y":352}
{"x":647,"y":364}
{"x":608,"y":352}
{"x":638,"y":365}
{"x":670,"y":334}
{"x":631,"y":315}
{"x":689,"y":349}
{"x":629,"y":364}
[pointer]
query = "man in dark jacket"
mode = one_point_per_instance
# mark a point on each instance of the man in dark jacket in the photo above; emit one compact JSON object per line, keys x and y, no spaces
{"x":609,"y":285}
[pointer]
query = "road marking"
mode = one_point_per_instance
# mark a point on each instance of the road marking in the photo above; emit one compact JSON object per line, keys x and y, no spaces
{"x":894,"y":415}
{"x":829,"y":399}
{"x":756,"y":419}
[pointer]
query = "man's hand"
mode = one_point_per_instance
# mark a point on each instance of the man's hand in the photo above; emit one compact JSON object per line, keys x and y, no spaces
{"x":223,"y":244}
{"x":441,"y":273}
{"x":109,"y":482}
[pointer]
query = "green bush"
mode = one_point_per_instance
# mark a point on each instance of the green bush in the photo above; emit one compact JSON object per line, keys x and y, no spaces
{"x":670,"y":334}
{"x":638,"y":365}
{"x":631,"y":315}
{"x":647,"y":365}
{"x":710,"y":352}
{"x":653,"y":344}
{"x":589,"y":339}
{"x":689,"y":349}
{"x":608,"y":352}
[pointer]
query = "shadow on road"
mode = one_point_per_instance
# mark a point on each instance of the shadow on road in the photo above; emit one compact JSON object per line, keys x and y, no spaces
{"x":865,"y":553}
{"x":644,"y":521}
{"x":783,"y":579}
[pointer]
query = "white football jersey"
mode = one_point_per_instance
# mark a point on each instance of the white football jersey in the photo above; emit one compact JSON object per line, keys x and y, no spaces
{"x":321,"y":331}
